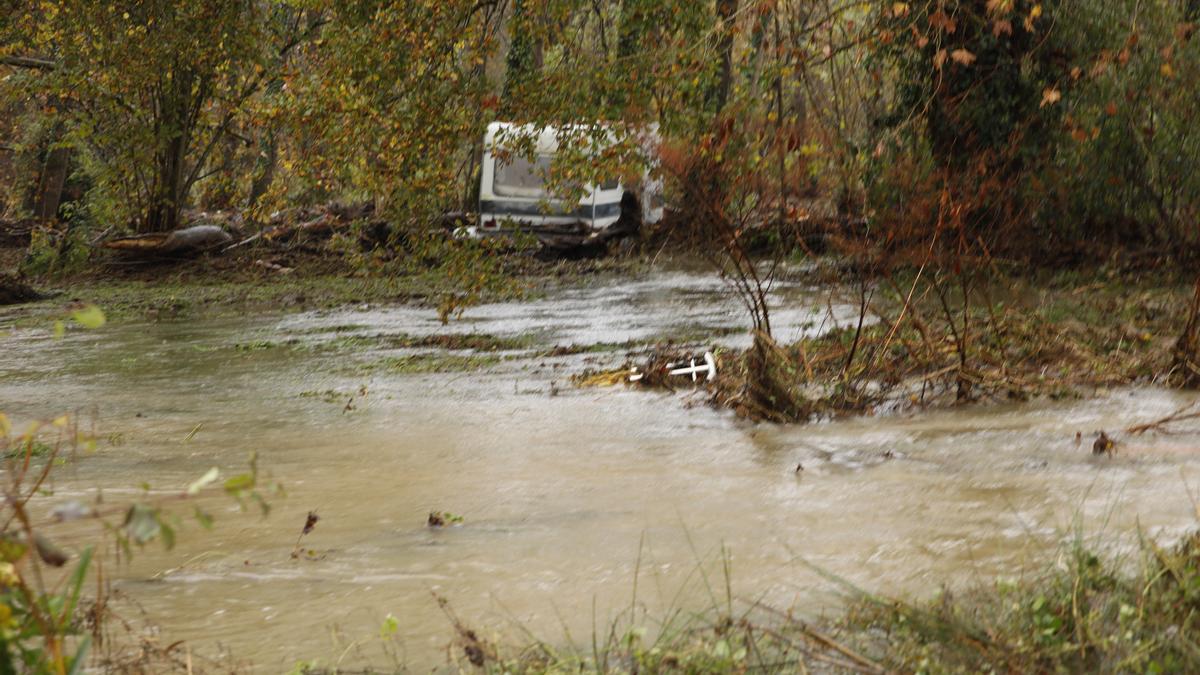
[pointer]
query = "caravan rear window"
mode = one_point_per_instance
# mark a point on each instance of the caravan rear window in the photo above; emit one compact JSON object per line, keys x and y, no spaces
{"x":519,"y":177}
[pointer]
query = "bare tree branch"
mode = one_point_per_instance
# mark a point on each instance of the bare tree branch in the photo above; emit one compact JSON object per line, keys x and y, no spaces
{"x":28,"y":62}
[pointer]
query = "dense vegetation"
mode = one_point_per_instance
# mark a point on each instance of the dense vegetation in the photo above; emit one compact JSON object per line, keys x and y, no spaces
{"x":1009,"y":125}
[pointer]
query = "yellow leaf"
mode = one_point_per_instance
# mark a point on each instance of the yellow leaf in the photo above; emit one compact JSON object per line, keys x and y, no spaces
{"x":59,"y":330}
{"x":1050,"y":96}
{"x":5,"y":426}
{"x":1035,"y":12}
{"x":899,"y":9}
{"x":1167,"y":70}
{"x":60,"y":421}
{"x":90,"y":316}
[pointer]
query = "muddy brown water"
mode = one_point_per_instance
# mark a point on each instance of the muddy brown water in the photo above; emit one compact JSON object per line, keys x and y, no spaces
{"x":567,"y":494}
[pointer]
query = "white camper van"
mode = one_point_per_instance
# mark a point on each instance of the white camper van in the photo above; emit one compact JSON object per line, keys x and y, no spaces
{"x":513,"y":194}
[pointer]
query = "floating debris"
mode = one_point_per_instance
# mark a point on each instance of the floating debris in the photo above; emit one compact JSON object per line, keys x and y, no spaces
{"x":443,"y":518}
{"x":310,"y":523}
{"x":709,"y":367}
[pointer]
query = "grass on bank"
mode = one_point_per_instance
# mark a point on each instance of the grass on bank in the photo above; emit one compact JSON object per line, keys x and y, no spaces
{"x":1088,"y":612}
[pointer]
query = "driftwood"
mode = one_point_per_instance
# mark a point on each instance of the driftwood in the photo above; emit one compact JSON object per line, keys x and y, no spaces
{"x":320,"y":227}
{"x":1187,"y":412}
{"x":189,"y":240}
{"x":15,"y":233}
{"x":316,"y":223}
{"x":577,"y":240}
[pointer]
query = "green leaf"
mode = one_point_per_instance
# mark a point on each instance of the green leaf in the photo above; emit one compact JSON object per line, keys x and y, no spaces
{"x":204,"y":481}
{"x":142,"y":524}
{"x":75,"y":587}
{"x":11,"y":550}
{"x":90,"y":316}
{"x":262,"y":503}
{"x":390,"y":626}
{"x":168,"y":535}
{"x":60,"y":329}
{"x":204,"y":519}
{"x":239,"y":483}
{"x":79,"y":661}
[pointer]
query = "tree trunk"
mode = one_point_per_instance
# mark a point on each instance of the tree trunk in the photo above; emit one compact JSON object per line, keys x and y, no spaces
{"x":51,"y":183}
{"x":264,"y":171}
{"x":718,"y":95}
{"x":164,"y":210}
{"x":178,"y":103}
{"x":52,"y":169}
{"x":524,"y":56}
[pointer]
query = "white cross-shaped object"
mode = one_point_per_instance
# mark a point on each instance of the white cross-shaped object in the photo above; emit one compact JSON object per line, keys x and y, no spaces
{"x":709,"y":366}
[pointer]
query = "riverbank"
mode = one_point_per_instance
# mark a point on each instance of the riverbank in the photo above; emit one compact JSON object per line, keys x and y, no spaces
{"x":262,"y":280}
{"x":1091,"y":611}
{"x":908,"y":339}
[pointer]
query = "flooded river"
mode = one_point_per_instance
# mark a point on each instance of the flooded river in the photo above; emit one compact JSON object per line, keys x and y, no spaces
{"x":567,"y":494}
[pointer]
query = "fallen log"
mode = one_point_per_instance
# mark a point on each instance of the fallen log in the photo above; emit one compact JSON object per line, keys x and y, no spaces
{"x":15,"y":233}
{"x":189,"y":240}
{"x":321,"y":227}
{"x":577,"y":240}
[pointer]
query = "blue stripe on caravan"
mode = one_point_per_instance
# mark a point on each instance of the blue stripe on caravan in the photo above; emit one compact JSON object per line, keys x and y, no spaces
{"x":510,"y":208}
{"x":608,"y":210}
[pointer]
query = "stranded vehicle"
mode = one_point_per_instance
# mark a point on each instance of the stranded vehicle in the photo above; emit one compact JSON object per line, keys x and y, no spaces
{"x":513,"y":194}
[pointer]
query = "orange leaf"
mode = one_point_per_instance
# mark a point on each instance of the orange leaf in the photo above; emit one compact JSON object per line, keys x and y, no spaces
{"x":962,"y":56}
{"x":1001,"y":27}
{"x":1050,"y":96}
{"x":939,"y":58}
{"x":941,"y":21}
